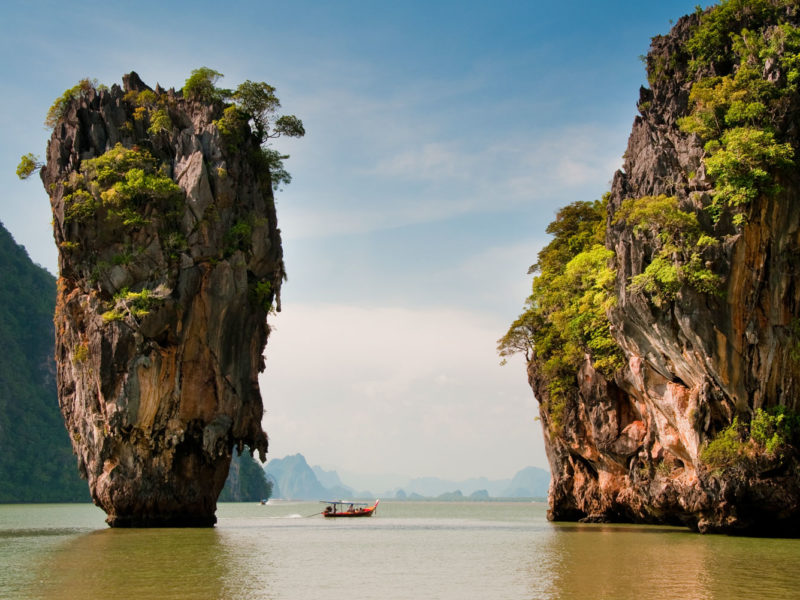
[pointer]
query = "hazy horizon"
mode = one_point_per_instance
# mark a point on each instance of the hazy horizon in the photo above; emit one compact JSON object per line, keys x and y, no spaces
{"x":385,"y":482}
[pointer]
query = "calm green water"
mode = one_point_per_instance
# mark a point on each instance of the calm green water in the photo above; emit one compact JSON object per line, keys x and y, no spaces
{"x":408,"y":551}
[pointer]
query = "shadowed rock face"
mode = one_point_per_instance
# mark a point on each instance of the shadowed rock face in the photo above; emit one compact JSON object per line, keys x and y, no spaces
{"x":169,"y":260}
{"x":630,"y":448}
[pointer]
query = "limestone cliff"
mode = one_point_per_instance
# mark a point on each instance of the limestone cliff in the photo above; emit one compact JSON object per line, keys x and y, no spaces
{"x":170,"y":259}
{"x":692,"y":417}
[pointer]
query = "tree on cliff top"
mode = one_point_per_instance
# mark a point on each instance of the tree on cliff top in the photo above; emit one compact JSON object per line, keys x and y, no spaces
{"x":255,"y":103}
{"x":201,"y":85}
{"x":259,"y":102}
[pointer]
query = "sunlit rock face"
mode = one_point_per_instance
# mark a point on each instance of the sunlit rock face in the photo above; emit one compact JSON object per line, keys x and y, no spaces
{"x":170,"y":259}
{"x":630,"y":448}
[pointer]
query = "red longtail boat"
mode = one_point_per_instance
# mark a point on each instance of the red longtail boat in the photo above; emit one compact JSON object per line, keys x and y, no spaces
{"x":342,"y":508}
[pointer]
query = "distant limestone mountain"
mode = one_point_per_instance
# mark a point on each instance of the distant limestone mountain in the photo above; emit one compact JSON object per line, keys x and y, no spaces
{"x":330,"y":481}
{"x":528,"y":483}
{"x":295,"y":480}
{"x":36,"y":460}
{"x":432,"y":487}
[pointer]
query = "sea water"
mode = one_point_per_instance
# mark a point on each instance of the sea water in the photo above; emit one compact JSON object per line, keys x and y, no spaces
{"x":409,"y":550}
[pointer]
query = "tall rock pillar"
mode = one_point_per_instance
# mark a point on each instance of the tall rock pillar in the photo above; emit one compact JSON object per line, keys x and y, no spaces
{"x":170,"y":259}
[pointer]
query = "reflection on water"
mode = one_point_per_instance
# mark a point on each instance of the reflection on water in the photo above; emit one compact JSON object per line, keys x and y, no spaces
{"x":626,"y":562}
{"x":143,"y":563}
{"x":599,"y":561}
{"x":410,"y":550}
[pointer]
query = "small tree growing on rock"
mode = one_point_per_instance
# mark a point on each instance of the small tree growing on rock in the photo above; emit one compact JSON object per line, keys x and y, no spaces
{"x":28,"y":165}
{"x":256,"y":104}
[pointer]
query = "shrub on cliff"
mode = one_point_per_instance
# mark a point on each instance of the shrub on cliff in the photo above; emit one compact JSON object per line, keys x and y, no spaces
{"x":201,"y":86}
{"x":122,"y":181}
{"x":254,"y":103}
{"x":679,"y":242}
{"x":28,"y":165}
{"x":739,"y":111}
{"x":258,"y":101}
{"x":62,"y":103}
{"x":770,"y":435}
{"x":743,"y":163}
{"x":727,"y":449}
{"x":565,"y":316}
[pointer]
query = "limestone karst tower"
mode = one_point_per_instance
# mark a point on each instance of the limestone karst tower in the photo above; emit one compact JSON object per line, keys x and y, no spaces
{"x":170,"y":260}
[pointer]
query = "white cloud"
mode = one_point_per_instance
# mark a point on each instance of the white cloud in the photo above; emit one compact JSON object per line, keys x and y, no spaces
{"x":398,"y":180}
{"x":434,"y":160}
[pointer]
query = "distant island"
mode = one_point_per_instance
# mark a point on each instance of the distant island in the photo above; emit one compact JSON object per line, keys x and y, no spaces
{"x":292,"y":478}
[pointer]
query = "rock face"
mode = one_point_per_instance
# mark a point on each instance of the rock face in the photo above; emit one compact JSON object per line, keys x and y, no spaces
{"x":169,"y":260}
{"x":631,"y":447}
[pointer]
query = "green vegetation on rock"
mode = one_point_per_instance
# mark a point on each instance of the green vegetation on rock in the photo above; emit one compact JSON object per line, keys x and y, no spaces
{"x":238,"y":237}
{"x":680,"y":243}
{"x":769,"y":434}
{"x":738,"y":114}
{"x":201,"y":86}
{"x":262,"y":294}
{"x":134,"y":304}
{"x":246,"y":480}
{"x":152,"y":108}
{"x":122,"y":181}
{"x":256,"y":105}
{"x":565,"y":316}
{"x":712,"y":41}
{"x":62,"y":103}
{"x":28,"y":165}
{"x":743,"y":163}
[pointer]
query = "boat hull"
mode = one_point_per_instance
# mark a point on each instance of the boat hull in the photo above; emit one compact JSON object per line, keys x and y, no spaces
{"x":361,"y":512}
{"x":366,"y":513}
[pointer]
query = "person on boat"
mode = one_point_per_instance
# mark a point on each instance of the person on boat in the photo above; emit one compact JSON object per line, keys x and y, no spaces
{"x":350,"y":509}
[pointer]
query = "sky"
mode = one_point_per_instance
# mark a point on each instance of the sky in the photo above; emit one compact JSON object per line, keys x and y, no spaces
{"x":442,"y":137}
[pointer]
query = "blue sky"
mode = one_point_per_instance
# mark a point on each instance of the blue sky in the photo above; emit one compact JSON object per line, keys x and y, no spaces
{"x":441,"y":139}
